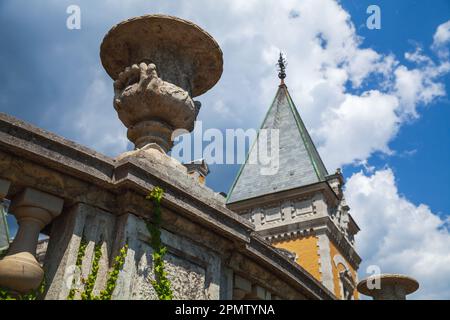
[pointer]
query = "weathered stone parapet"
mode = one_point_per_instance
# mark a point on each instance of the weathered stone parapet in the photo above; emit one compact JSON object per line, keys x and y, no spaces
{"x":78,"y":223}
{"x":112,"y":193}
{"x":19,"y":270}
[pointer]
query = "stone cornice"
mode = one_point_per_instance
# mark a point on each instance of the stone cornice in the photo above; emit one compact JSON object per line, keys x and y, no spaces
{"x":295,"y":193}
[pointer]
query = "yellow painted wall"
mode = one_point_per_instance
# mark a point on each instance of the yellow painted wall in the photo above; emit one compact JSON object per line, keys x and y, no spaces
{"x":336,"y":269}
{"x":307,"y":253}
{"x":308,"y":257}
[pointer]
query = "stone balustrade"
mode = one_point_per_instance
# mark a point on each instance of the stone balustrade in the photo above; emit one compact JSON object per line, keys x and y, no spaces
{"x":33,"y":209}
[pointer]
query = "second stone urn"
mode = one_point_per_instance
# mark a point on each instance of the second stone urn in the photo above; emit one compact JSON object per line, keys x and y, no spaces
{"x":159,"y":63}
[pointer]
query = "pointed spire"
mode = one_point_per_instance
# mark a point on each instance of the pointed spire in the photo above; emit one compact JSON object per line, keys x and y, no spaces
{"x":299,"y":163}
{"x":281,"y":65}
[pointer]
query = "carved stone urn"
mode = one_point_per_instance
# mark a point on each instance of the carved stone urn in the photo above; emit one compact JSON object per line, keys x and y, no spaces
{"x":158,"y":63}
{"x":391,"y":286}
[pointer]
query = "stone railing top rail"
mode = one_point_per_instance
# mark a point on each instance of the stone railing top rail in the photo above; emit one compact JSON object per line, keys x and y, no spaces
{"x":51,"y":150}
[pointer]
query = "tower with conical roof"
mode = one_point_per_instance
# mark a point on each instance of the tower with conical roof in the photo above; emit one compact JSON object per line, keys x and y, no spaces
{"x":299,"y":207}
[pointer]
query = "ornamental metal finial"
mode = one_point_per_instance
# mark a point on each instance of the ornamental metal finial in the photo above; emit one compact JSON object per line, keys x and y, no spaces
{"x":282,"y":67}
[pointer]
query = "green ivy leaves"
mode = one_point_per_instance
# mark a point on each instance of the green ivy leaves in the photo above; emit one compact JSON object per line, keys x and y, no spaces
{"x":113,"y":275}
{"x":80,"y":256}
{"x":89,"y":283}
{"x":6,"y":294}
{"x":161,"y":283}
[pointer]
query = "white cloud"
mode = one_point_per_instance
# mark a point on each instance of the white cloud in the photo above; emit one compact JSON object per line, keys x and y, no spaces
{"x":399,"y":236}
{"x":369,"y":115}
{"x":441,"y":38}
{"x":325,"y":56}
{"x":442,"y":35}
{"x":420,"y":85}
{"x":330,"y":72}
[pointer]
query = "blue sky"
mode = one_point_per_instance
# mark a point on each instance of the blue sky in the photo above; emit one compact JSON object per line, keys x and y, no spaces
{"x":375,"y":101}
{"x":423,"y":175}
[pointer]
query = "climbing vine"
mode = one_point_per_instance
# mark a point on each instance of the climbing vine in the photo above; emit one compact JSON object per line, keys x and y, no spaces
{"x":161,"y":283}
{"x":6,"y":294}
{"x":89,"y":283}
{"x":92,"y":277}
{"x":78,"y":264}
{"x":113,"y":275}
